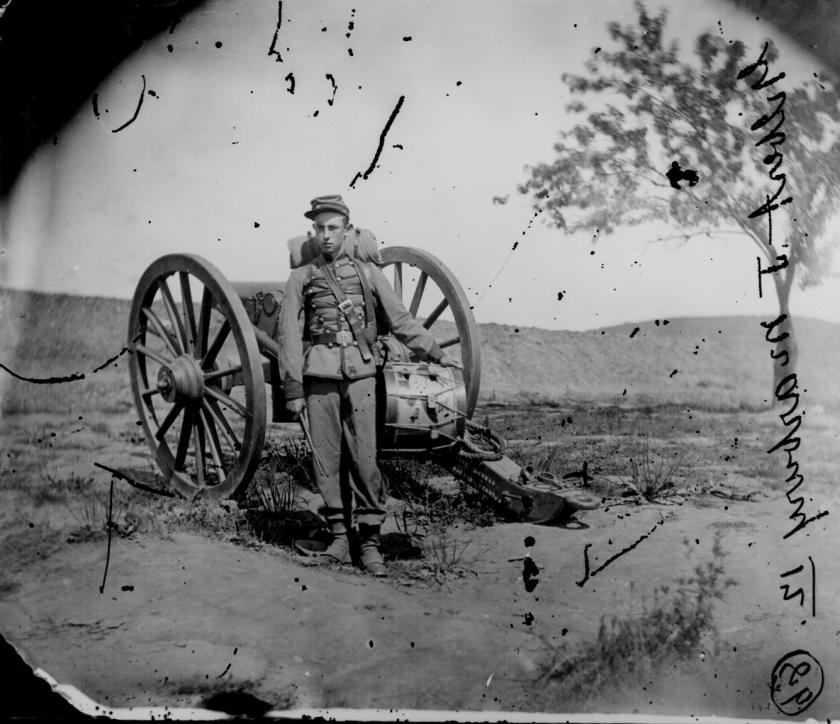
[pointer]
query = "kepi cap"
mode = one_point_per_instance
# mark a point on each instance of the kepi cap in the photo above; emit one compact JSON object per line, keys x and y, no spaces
{"x":332,"y":202}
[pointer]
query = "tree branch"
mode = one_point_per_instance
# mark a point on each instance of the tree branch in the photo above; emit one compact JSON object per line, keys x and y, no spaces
{"x":702,"y":232}
{"x":627,"y":173}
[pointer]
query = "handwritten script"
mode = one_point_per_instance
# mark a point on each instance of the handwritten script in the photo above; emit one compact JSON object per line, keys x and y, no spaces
{"x":797,"y":678}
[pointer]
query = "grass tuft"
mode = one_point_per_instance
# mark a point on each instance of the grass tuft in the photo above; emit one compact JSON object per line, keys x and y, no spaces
{"x":446,"y":553}
{"x":649,"y":478}
{"x":629,"y":651}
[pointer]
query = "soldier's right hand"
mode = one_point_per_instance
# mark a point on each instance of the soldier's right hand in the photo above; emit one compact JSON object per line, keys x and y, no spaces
{"x":295,"y":406}
{"x":447,"y":361}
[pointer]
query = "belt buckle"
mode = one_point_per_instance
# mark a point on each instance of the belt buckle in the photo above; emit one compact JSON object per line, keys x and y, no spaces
{"x":343,"y":337}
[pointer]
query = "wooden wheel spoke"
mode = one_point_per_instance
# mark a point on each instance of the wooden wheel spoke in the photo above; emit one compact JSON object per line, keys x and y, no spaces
{"x":398,"y":285}
{"x":188,"y":310}
{"x":418,"y":294}
{"x":224,"y":372}
{"x":198,"y":442}
{"x":151,"y":354}
{"x":222,"y":424}
{"x":148,"y":403}
{"x":150,"y":406}
{"x":227,"y":400}
{"x":218,"y":341}
{"x":159,"y":330}
{"x":204,"y":323}
{"x":435,"y":313}
{"x":174,"y":411}
{"x":172,"y":313}
{"x":213,"y":442}
{"x":168,"y":340}
{"x":184,"y":440}
{"x":450,"y":342}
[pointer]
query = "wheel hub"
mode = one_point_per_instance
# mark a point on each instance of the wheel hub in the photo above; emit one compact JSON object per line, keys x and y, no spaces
{"x":183,"y":380}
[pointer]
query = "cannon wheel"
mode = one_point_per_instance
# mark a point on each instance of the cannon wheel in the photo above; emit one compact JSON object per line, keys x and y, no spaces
{"x":454,"y":303}
{"x":197,"y":377}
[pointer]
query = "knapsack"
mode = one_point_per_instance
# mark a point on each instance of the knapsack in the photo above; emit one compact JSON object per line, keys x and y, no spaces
{"x":360,"y":244}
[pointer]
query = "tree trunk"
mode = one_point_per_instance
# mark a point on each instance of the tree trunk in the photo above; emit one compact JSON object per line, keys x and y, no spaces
{"x":786,"y":352}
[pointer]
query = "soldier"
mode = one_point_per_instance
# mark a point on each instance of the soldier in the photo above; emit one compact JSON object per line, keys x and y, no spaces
{"x":333,"y":300}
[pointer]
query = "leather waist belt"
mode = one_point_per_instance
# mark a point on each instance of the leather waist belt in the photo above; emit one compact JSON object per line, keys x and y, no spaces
{"x":342,"y":338}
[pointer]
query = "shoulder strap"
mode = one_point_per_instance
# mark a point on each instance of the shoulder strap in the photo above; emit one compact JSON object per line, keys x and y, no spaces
{"x":348,"y":310}
{"x":370,"y":317}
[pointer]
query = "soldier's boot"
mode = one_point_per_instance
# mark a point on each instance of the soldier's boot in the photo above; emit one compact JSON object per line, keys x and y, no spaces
{"x":370,"y":555}
{"x":338,"y":551}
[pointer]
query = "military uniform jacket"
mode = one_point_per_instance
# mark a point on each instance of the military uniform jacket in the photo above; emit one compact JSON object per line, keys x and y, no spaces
{"x":310,"y":309}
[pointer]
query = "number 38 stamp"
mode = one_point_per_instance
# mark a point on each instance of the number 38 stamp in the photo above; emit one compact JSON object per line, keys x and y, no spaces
{"x":796,"y":682}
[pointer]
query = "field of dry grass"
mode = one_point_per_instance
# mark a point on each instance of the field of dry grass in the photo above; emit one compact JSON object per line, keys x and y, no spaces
{"x":690,"y":622}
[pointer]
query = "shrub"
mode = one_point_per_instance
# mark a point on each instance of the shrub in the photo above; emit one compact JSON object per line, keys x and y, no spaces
{"x":651,"y":479}
{"x":629,"y":651}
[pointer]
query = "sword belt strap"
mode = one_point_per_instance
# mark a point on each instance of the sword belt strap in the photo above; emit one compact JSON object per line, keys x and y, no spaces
{"x":370,"y":314}
{"x":346,"y":307}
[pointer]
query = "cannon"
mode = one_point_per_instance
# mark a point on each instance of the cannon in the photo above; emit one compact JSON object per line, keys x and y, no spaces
{"x":204,"y":372}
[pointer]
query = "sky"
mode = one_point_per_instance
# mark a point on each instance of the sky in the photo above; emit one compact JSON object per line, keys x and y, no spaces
{"x":223,"y":160}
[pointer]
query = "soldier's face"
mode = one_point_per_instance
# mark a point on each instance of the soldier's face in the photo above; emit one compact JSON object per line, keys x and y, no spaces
{"x":329,"y":230}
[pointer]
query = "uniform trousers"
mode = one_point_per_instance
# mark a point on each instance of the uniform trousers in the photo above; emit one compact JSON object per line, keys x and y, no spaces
{"x":342,"y":421}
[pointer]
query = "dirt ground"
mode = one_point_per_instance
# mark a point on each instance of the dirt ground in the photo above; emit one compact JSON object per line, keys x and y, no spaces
{"x":192,"y":605}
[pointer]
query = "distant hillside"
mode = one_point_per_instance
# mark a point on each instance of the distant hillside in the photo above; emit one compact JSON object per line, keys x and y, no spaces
{"x":814,"y":24}
{"x":59,"y":335}
{"x":720,"y":362}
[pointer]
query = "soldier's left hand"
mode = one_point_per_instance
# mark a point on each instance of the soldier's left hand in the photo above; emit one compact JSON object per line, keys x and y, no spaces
{"x":447,"y":361}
